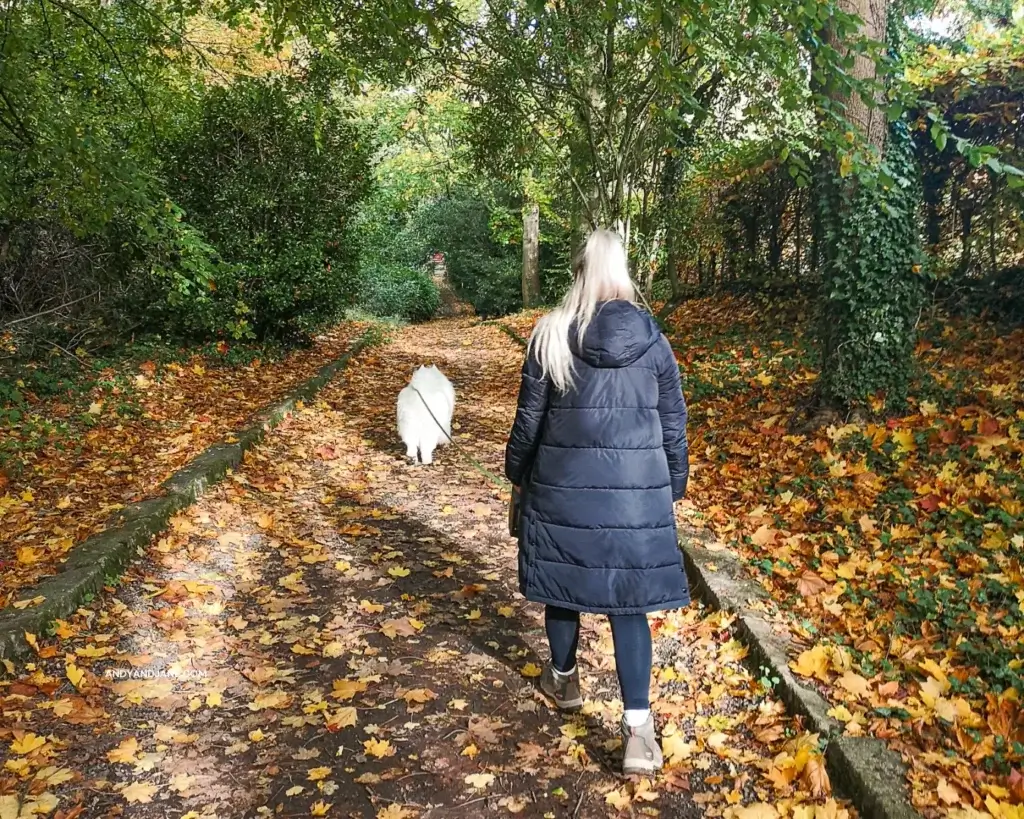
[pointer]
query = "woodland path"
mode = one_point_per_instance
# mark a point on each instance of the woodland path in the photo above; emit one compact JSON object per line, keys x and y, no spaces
{"x":348,"y":641}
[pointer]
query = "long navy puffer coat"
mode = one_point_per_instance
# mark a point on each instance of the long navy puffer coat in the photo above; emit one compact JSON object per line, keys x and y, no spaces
{"x":600,"y":467}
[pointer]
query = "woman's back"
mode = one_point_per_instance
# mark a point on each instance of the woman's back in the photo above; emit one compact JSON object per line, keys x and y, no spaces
{"x":604,"y":436}
{"x":601,"y":464}
{"x":599,"y":448}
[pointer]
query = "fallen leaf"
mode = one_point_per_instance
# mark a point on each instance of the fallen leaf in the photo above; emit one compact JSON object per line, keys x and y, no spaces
{"x":479,"y":781}
{"x":379,"y":748}
{"x":27,"y":743}
{"x":125,"y":752}
{"x":139,"y":792}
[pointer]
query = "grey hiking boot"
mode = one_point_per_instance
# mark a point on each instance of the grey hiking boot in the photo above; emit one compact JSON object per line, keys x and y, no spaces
{"x":565,"y":691}
{"x":641,"y":751}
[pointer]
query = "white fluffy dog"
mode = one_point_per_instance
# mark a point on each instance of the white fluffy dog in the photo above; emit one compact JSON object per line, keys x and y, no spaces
{"x":417,"y":429}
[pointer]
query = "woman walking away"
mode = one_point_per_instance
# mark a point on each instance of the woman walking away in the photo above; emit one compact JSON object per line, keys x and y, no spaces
{"x":599,"y":449}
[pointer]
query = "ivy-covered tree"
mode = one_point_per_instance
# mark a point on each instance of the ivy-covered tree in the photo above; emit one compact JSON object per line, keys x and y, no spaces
{"x":872,"y":286}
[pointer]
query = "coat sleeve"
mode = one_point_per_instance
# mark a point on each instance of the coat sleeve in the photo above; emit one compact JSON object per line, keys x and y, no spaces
{"x":534,"y":390}
{"x":672,"y":410}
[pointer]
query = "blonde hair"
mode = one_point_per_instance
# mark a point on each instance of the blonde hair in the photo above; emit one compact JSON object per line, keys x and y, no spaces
{"x":601,"y":274}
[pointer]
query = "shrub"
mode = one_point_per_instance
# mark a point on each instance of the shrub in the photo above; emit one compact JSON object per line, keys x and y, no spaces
{"x":482,"y":271}
{"x":401,"y":291}
{"x":271,"y":178}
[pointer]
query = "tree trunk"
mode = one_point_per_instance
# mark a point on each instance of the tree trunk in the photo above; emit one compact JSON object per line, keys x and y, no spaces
{"x":799,"y":217}
{"x":870,"y":256}
{"x":531,"y":254}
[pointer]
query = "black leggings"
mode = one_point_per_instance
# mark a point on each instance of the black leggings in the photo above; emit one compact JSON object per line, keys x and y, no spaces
{"x":632,"y":638}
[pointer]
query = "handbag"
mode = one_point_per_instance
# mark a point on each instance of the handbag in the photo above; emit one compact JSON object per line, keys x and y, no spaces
{"x":515,"y":510}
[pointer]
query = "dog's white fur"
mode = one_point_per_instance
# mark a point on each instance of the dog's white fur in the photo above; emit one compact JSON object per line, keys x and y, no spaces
{"x":417,"y":429}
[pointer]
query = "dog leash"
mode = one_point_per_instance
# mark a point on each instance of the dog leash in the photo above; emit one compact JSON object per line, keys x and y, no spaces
{"x":500,"y":483}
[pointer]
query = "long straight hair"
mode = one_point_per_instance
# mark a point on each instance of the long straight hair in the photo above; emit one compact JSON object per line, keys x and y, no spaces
{"x":601,"y":274}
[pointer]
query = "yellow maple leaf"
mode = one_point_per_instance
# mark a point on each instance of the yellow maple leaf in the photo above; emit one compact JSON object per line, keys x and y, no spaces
{"x":342,"y":718}
{"x":125,"y":752}
{"x":370,"y":608}
{"x":181,"y":783}
{"x":42,"y":805}
{"x":347,"y":689}
{"x":904,"y":439}
{"x":618,"y":798}
{"x":855,"y":684}
{"x":27,"y":555}
{"x":470,"y":750}
{"x":419,"y":695}
{"x":270,"y":699}
{"x":139,"y":792}
{"x":378,"y":748}
{"x":947,"y":793}
{"x":814,"y":662}
{"x":931,"y":691}
{"x":320,"y":808}
{"x":841,"y":713}
{"x":475,"y":614}
{"x":758,"y":810}
{"x":316,"y":774}
{"x":75,"y":674}
{"x":480,"y":781}
{"x":333,"y":649}
{"x":506,"y":611}
{"x":676,"y":748}
{"x":932,"y":669}
{"x":398,"y":571}
{"x":54,"y":776}
{"x":395,"y":811}
{"x":27,"y":743}
{"x":168,"y":733}
{"x":531,"y":670}
{"x":20,"y":766}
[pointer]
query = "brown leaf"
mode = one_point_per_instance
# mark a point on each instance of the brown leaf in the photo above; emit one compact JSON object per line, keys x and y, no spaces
{"x":809,"y":584}
{"x":816,"y":779}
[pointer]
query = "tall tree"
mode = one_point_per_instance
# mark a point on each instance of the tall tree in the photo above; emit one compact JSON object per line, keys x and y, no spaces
{"x":531,"y":254}
{"x":872,"y":288}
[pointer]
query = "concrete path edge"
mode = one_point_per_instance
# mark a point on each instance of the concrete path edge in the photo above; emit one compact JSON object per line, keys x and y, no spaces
{"x":863,"y":769}
{"x":96,"y":561}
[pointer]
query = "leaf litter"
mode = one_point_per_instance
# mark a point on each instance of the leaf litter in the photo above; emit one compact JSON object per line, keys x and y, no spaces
{"x":144,"y":422}
{"x":264,"y":659}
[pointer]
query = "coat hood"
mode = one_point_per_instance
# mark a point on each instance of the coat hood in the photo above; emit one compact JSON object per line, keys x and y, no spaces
{"x":618,"y":335}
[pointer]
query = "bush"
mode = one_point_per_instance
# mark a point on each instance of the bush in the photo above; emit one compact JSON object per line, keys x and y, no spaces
{"x":271,"y":177}
{"x":394,"y":289}
{"x":483,"y":272}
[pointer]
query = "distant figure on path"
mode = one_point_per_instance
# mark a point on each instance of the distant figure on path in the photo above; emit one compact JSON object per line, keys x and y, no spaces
{"x":599,"y":450}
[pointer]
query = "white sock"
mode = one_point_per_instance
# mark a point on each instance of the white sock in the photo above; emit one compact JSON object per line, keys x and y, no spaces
{"x":563,"y":675}
{"x":636,"y":718}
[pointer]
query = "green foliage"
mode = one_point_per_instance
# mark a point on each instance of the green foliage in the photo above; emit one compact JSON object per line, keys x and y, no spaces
{"x":484,"y":271}
{"x":872,"y":286}
{"x":272,"y":177}
{"x":398,"y":290}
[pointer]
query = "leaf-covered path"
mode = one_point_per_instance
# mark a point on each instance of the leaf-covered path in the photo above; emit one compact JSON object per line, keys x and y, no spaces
{"x":334,"y":631}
